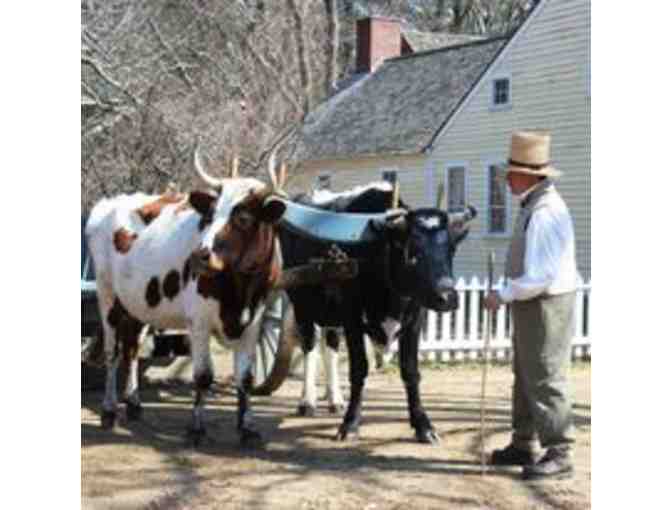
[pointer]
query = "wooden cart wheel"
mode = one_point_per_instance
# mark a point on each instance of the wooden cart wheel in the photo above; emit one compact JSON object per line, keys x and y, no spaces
{"x":274,"y":346}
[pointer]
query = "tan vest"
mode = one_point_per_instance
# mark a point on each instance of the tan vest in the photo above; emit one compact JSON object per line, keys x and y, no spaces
{"x":515,"y":257}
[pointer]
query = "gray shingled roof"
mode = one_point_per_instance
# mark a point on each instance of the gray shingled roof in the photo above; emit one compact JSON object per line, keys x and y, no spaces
{"x":423,"y":41}
{"x":398,"y":108}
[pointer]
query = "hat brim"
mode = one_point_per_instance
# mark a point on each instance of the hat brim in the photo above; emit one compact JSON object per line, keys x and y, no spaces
{"x":547,"y":171}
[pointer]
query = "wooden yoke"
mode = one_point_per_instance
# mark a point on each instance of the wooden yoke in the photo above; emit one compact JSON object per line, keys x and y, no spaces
{"x":271,"y":171}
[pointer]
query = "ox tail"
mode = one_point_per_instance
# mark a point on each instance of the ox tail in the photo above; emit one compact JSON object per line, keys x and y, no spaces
{"x":97,"y":230}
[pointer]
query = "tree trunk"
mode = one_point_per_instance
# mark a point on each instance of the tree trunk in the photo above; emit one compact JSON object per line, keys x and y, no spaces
{"x":304,"y":69}
{"x":333,"y":43}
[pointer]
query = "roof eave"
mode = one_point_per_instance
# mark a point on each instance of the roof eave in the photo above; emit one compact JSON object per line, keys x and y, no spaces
{"x":370,"y":155}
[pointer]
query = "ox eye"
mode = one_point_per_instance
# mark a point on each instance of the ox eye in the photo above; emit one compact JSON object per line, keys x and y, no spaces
{"x":243,"y":220}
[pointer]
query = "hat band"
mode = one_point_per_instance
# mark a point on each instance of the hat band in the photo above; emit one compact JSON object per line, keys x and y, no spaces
{"x":529,"y":165}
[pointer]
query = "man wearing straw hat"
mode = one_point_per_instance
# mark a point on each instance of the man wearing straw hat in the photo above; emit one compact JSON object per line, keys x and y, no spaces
{"x":541,"y":287}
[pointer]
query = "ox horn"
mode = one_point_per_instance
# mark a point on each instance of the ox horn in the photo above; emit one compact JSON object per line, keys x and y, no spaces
{"x":209,"y":180}
{"x":271,"y":171}
{"x":282,"y":179}
{"x":462,"y":218}
{"x":234,"y":167}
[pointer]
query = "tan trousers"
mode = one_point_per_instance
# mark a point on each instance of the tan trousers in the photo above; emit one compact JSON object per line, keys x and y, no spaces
{"x":542,"y":408}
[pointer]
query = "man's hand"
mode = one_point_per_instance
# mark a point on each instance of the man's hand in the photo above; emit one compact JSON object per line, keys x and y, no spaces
{"x":492,"y":301}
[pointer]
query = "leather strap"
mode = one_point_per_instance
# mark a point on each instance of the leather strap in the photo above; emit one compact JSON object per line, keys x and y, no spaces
{"x":529,"y":165}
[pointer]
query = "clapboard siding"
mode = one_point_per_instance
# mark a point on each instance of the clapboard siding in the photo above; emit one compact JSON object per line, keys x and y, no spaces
{"x":549,"y":64}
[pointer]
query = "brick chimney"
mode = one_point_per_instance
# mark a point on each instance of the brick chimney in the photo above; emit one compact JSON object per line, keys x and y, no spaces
{"x":377,"y":39}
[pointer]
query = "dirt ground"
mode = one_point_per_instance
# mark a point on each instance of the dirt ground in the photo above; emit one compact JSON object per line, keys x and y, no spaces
{"x":150,"y":465}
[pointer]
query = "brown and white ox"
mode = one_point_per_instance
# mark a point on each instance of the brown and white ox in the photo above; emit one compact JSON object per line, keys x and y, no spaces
{"x":200,"y":261}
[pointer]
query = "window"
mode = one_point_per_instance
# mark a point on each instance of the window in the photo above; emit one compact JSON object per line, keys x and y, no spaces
{"x":501,"y":93}
{"x":390,"y":176}
{"x":323,"y":181}
{"x":498,"y":209}
{"x":456,"y":179}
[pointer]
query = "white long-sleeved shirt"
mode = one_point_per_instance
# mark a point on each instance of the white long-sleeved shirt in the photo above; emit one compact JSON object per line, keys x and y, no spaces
{"x":550,"y":260}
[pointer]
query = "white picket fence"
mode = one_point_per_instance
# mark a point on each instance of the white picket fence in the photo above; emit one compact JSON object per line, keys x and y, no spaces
{"x":460,"y":335}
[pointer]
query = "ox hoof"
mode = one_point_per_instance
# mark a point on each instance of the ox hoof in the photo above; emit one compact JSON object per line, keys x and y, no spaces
{"x":107,"y":419}
{"x":336,"y":408}
{"x":250,"y":437}
{"x":428,"y":436}
{"x":306,"y":410}
{"x":133,"y":411}
{"x":195,"y":436}
{"x":348,"y":432}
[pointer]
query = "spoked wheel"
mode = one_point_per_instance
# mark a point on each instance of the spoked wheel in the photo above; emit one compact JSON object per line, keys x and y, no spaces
{"x":274,"y":346}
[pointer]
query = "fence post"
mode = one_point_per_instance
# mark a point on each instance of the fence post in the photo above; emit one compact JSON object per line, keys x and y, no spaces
{"x":460,"y":318}
{"x":474,"y":342}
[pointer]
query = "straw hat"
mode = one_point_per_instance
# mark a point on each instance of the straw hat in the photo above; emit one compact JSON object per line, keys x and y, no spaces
{"x":531,"y":154}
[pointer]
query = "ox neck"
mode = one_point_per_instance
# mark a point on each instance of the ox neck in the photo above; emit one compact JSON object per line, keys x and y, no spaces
{"x":395,"y":280}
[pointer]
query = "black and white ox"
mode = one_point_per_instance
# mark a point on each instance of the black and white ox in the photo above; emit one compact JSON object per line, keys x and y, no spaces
{"x":201,"y":261}
{"x":405,"y":268}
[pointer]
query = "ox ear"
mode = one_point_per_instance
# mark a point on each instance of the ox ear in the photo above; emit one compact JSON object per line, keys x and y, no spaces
{"x":272,"y":210}
{"x":202,"y":201}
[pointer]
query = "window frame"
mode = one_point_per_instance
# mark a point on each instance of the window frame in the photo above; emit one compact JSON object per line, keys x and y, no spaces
{"x":447,"y":167}
{"x":493,"y":87}
{"x":507,"y":203}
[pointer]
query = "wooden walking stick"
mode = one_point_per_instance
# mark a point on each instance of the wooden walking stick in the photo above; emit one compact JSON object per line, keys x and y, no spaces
{"x":486,"y":354}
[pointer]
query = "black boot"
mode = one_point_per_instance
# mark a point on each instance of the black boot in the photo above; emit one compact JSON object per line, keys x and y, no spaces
{"x":555,"y":464}
{"x":511,"y":456}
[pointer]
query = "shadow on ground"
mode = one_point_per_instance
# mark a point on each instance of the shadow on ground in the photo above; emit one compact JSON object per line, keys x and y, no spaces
{"x":296,"y":447}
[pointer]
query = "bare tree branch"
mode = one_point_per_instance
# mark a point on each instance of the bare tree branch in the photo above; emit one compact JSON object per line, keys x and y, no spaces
{"x":271,"y":72}
{"x":240,"y":74}
{"x":304,"y":69}
{"x":182,"y":70}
